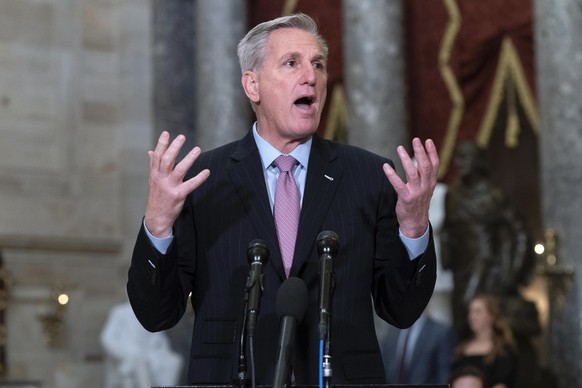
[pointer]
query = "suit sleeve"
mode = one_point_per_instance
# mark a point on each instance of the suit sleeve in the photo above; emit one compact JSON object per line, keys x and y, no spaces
{"x":402,"y":287}
{"x":159,"y":284}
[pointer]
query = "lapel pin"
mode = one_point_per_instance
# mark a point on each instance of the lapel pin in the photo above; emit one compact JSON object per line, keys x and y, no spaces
{"x":328,"y":177}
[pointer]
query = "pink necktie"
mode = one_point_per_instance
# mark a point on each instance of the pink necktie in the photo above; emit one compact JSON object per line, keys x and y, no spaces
{"x":286,"y":209}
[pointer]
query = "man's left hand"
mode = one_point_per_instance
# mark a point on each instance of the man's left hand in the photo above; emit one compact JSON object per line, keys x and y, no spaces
{"x":414,"y":196}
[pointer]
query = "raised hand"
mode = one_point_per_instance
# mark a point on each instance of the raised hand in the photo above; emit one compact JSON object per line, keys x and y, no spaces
{"x":167,"y":188}
{"x":414,"y":196}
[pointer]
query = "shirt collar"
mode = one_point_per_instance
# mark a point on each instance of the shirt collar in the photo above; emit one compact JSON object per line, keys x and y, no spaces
{"x":269,"y":153}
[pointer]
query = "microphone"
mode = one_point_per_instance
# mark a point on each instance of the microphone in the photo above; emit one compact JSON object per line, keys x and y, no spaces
{"x":257,"y":255}
{"x":292,"y":300}
{"x":327,"y":244}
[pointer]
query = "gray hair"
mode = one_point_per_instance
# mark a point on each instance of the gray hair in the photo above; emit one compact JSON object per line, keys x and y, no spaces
{"x":251,"y":48}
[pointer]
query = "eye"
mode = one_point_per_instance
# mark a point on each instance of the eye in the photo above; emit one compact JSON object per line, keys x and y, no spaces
{"x":319,"y":66}
{"x":291,"y":63}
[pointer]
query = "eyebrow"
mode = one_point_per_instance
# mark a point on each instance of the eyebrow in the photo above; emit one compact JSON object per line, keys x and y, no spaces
{"x":320,"y":57}
{"x":297,"y":54}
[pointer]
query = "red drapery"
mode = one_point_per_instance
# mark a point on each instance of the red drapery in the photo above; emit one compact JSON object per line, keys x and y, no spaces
{"x":470,"y":76}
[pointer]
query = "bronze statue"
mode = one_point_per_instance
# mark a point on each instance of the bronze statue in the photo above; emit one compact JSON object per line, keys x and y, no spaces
{"x":483,"y":240}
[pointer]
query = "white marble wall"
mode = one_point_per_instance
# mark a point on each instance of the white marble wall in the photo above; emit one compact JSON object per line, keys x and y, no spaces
{"x":75,"y":124}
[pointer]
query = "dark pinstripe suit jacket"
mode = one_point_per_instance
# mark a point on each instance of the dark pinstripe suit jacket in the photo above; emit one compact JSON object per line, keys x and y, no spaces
{"x":208,"y":258}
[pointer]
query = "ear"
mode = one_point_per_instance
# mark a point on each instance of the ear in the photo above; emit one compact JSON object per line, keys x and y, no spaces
{"x":250,"y":85}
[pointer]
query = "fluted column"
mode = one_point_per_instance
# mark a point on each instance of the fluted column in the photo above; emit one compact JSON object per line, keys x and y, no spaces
{"x":374,"y":75}
{"x":558,"y":28}
{"x":223,"y":110}
{"x":174,"y":86}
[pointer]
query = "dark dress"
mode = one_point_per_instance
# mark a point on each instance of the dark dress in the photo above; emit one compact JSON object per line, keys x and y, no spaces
{"x":501,"y":371}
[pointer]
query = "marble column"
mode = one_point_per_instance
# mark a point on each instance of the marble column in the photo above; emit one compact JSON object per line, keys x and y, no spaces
{"x":174,"y":85}
{"x":558,"y":45}
{"x":223,"y":111}
{"x":374,"y":75}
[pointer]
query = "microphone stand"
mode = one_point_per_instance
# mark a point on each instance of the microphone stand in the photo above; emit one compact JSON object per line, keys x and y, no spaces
{"x":326,"y":362}
{"x":257,"y":254}
{"x":248,"y":332}
{"x":326,"y":372}
{"x":242,"y":358}
{"x":327,"y":244}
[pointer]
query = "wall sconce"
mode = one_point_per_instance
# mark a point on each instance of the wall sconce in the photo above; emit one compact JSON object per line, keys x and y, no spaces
{"x":559,"y":278}
{"x":53,"y":320}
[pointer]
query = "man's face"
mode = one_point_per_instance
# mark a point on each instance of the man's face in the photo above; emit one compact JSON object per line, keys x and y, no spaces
{"x":290,"y":88}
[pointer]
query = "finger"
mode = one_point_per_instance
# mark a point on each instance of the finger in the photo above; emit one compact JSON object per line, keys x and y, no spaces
{"x":419,"y":153}
{"x":432,"y":154}
{"x":432,"y":164}
{"x":182,"y":168}
{"x":424,"y":165}
{"x":169,"y":157}
{"x":162,"y":144}
{"x":407,"y":164}
{"x":193,"y":183}
{"x":154,"y":164}
{"x":394,"y":179}
{"x":156,"y":154}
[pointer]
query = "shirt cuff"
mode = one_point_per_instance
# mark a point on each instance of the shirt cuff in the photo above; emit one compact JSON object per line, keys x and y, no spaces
{"x":161,"y":244}
{"x":415,"y":246}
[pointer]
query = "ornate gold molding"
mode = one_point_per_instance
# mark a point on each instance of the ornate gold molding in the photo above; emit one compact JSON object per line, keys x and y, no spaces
{"x":509,"y":77}
{"x":289,"y":7}
{"x":560,"y":278}
{"x":448,"y":76}
{"x":336,"y":116}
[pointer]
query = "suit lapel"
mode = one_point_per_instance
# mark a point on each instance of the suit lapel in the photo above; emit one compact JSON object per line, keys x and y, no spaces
{"x":323,"y":178}
{"x":246,"y":173}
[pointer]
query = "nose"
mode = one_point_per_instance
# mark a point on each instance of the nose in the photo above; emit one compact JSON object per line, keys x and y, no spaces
{"x":308,"y":75}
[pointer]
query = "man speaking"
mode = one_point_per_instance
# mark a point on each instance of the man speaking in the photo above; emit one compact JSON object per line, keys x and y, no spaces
{"x":283,"y":184}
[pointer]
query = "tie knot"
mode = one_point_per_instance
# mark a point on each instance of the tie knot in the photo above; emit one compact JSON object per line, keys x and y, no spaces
{"x":285,"y":163}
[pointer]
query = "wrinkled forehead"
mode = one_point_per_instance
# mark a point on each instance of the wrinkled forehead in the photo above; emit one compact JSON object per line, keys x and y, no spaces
{"x":292,"y":39}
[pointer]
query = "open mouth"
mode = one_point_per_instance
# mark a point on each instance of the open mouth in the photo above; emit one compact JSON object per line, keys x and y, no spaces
{"x":304,"y":102}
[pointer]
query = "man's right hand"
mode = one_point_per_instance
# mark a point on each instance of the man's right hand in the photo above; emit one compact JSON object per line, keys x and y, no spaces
{"x":167,"y":188}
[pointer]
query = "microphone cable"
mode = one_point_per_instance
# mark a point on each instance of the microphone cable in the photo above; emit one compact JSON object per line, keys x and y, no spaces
{"x":257,"y":256}
{"x":242,"y":358}
{"x":321,"y":363}
{"x":252,"y":361}
{"x":247,"y":350}
{"x":327,"y":244}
